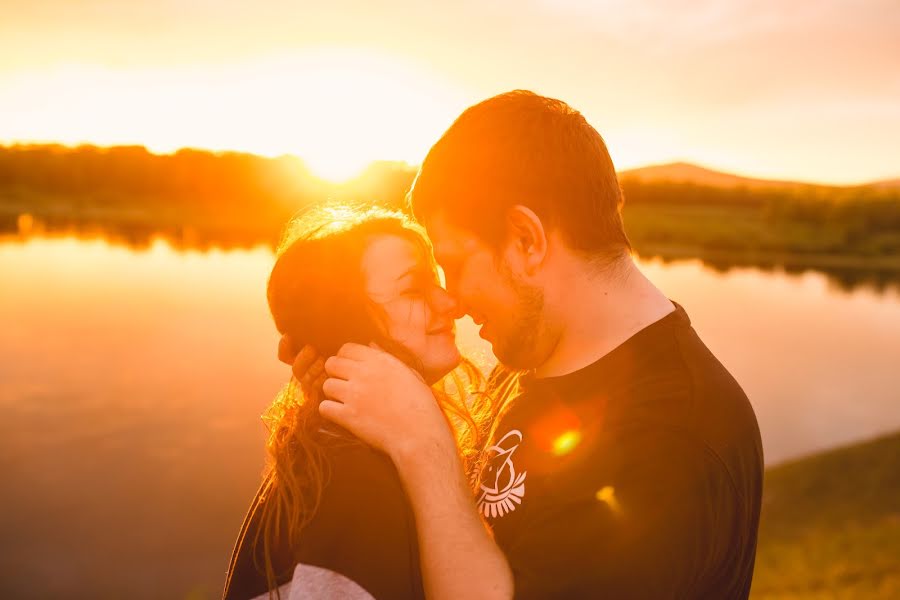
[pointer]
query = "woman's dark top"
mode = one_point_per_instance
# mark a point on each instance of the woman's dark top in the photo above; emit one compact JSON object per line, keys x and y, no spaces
{"x":361,"y":543}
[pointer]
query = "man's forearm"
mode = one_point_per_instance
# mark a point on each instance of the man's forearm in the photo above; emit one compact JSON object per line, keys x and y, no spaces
{"x":458,"y":556}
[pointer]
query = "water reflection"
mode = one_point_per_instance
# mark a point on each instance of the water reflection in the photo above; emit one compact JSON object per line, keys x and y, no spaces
{"x":131,"y":384}
{"x":844,"y":279}
{"x":840,"y":278}
{"x":140,"y":235}
{"x":134,"y":366}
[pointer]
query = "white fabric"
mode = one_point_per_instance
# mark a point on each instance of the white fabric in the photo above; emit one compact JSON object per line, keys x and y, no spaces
{"x":309,"y":582}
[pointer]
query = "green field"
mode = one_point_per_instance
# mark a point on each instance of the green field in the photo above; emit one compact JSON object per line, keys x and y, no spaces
{"x":867,"y":236}
{"x":831,"y":525}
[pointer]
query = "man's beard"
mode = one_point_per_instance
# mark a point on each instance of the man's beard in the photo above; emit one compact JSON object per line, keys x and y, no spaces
{"x":518,"y":347}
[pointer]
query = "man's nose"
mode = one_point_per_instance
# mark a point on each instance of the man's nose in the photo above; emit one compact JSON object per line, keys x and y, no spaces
{"x":454,"y":290}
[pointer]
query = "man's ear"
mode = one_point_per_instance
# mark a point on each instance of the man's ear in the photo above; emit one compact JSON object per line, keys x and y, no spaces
{"x":526,"y":237}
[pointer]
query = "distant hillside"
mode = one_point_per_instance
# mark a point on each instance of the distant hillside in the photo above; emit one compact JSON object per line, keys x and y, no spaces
{"x":887,"y":184}
{"x":682,"y":172}
{"x":831,"y":525}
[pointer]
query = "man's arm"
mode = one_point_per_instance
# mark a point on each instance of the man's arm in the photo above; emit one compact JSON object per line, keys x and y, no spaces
{"x":386,"y":404}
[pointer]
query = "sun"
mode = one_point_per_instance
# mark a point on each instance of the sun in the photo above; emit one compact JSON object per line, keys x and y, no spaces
{"x":340,"y":110}
{"x":335,"y":169}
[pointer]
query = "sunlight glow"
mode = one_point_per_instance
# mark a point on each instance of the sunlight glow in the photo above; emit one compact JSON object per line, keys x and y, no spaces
{"x":607,"y":494}
{"x":24,"y":224}
{"x":335,"y":108}
{"x":566,"y":442}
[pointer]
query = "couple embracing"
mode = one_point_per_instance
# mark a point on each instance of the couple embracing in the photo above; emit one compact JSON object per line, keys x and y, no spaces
{"x":609,"y":455}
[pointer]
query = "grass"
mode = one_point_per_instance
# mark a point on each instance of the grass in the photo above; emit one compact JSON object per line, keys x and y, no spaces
{"x":752,"y":231}
{"x":830,"y":525}
{"x":750,"y":235}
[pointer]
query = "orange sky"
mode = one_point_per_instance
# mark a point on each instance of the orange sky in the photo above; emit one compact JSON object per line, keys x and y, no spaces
{"x":795,"y":90}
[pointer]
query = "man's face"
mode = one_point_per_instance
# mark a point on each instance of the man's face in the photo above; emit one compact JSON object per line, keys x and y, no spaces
{"x":509,"y":311}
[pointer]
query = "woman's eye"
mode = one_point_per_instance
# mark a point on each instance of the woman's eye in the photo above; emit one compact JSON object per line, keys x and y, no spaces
{"x":418,"y":286}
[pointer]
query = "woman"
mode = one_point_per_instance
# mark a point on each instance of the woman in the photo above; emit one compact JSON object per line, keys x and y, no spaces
{"x":331,"y":518}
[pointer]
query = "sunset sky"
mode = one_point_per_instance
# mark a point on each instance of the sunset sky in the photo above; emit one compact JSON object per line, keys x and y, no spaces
{"x":793,"y":90}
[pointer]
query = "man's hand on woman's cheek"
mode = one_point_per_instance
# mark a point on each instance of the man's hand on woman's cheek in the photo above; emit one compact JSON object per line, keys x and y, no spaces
{"x":382,"y":401}
{"x":306,"y":364}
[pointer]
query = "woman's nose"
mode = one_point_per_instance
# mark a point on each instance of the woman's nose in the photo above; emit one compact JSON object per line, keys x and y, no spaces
{"x":443,"y":303}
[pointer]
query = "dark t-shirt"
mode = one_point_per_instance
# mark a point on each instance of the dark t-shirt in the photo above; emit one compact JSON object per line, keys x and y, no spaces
{"x":363,"y":531}
{"x":638,"y":476}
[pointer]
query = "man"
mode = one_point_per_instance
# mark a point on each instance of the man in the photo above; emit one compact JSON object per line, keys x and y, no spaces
{"x":629,"y":464}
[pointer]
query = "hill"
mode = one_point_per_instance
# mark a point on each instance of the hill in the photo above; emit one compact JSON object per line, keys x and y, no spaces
{"x":887,"y":184}
{"x":831,"y":525}
{"x":683,"y":172}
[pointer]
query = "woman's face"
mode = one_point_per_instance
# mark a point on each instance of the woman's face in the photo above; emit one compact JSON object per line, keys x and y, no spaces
{"x":416,"y":311}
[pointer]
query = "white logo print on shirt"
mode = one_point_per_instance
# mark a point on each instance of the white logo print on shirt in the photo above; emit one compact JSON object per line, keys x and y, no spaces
{"x":501,"y":487}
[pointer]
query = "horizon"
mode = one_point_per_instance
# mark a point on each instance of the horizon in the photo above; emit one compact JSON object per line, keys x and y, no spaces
{"x":800,"y":93}
{"x":344,"y":179}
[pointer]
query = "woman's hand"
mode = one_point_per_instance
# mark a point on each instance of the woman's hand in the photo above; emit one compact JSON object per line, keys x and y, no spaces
{"x":383,"y":402}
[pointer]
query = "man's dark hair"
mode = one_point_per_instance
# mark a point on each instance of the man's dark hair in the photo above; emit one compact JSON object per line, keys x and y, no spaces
{"x":522,"y":148}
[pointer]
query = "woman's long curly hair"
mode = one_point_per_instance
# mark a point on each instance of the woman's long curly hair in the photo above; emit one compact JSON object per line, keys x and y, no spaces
{"x":317,"y":295}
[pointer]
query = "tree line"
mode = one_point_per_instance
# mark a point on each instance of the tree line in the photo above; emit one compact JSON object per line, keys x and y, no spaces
{"x":232,"y":190}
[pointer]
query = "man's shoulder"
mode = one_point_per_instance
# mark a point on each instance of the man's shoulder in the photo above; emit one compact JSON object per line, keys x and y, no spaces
{"x":699,"y":414}
{"x":721,"y":412}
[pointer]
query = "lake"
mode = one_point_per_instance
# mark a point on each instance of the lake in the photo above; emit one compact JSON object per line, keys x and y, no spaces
{"x":132,"y":379}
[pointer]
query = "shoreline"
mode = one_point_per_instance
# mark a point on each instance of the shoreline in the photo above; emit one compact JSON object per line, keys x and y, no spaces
{"x":135,"y":227}
{"x":787,"y":261}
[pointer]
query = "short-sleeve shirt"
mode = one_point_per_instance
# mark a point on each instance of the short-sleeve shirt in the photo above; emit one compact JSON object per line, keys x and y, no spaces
{"x":638,"y":476}
{"x":361,"y":543}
